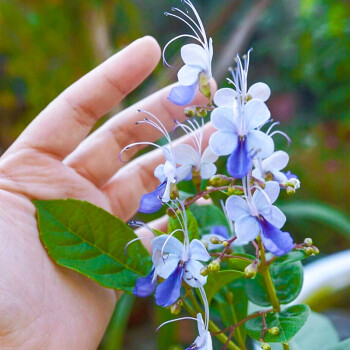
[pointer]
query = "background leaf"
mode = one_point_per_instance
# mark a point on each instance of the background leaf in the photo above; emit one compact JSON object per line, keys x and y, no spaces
{"x":289,"y":322}
{"x":89,"y":240}
{"x":287,"y":279}
{"x":219,"y":279}
{"x":192,"y":226}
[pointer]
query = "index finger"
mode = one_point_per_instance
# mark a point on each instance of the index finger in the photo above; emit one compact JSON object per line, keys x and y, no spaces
{"x":65,"y":122}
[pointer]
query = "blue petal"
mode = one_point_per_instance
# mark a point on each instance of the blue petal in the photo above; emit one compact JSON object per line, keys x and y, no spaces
{"x":239,"y":162}
{"x":169,"y":291}
{"x":150,"y":202}
{"x":220,"y":230}
{"x":182,"y":95}
{"x":145,"y":286}
{"x":275,"y":241}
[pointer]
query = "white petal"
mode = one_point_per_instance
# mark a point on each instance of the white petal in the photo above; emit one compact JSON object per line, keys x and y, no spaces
{"x":186,"y":154}
{"x":207,"y":170}
{"x":195,"y":55}
{"x":258,"y":174}
{"x":188,"y":75}
{"x":209,"y":156}
{"x":236,"y":207}
{"x":277,"y":161}
{"x":247,"y":228}
{"x":173,"y":245}
{"x":183,"y":172}
{"x":223,"y":118}
{"x":256,"y":114}
{"x":169,"y":171}
{"x":192,"y":275}
{"x":271,"y":190}
{"x":198,"y":251}
{"x":260,"y":143}
{"x":166,"y":265}
{"x":279,"y":176}
{"x":200,"y":324}
{"x":223,"y":143}
{"x":225,"y":97}
{"x":159,"y":172}
{"x":275,"y":217}
{"x":260,"y":91}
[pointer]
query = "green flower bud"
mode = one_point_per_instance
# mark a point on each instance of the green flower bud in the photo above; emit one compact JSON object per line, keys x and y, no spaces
{"x":214,"y":266}
{"x":217,"y":181}
{"x":215,"y":240}
{"x":231,"y":191}
{"x":204,"y":271}
{"x":290,"y":190}
{"x":250,"y":271}
{"x":308,"y":242}
{"x":175,"y":309}
{"x":274,"y":331}
{"x":204,"y":86}
{"x":316,"y":251}
{"x":309,"y":251}
{"x":265,"y":346}
{"x":201,"y":112}
{"x":190,"y":112}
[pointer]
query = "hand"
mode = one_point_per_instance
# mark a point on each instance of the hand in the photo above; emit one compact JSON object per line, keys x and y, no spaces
{"x":42,"y":305}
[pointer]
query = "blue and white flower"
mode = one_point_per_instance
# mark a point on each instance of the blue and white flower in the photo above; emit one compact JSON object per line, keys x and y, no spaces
{"x":256,"y":215}
{"x":197,"y":57}
{"x":169,"y":174}
{"x":202,"y":162}
{"x":237,"y":122}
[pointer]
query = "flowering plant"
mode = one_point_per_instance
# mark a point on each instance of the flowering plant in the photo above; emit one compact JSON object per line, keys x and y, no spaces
{"x":215,"y":256}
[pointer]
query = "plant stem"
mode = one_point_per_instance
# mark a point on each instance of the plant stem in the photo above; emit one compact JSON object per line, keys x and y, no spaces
{"x":265,"y":272}
{"x":212,"y":326}
{"x":285,"y":346}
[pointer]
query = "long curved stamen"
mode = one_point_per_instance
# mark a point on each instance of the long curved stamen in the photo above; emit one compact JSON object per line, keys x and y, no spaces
{"x":133,"y":241}
{"x":167,"y":240}
{"x":174,"y":39}
{"x":188,"y":131}
{"x":206,"y":307}
{"x":271,"y":127}
{"x":283,"y":134}
{"x":177,"y":319}
{"x":189,"y":17}
{"x":145,"y":143}
{"x":188,"y":24}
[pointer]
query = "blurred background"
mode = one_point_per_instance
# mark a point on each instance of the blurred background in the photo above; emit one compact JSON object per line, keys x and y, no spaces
{"x":301,"y":50}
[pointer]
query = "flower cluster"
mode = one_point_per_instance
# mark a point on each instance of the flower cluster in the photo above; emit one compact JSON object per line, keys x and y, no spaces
{"x":251,"y":186}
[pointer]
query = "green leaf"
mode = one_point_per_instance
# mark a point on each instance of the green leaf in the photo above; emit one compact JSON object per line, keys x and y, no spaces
{"x":89,"y":240}
{"x":219,"y":279}
{"x":293,"y":256}
{"x":287,"y":279}
{"x":239,"y":264}
{"x":192,"y":226}
{"x":208,"y":216}
{"x":344,"y":345}
{"x":289,"y":322}
{"x":319,"y":212}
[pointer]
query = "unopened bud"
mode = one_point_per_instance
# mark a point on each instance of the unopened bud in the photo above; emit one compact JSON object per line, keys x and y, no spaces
{"x":175,"y":309}
{"x":215,"y":240}
{"x":204,"y":86}
{"x":309,"y":251}
{"x":316,"y":250}
{"x":204,"y":271}
{"x":308,"y":242}
{"x":231,"y":191}
{"x":217,"y":181}
{"x":201,"y":112}
{"x":190,"y":112}
{"x":250,"y":271}
{"x":274,"y":331}
{"x":214,"y":266}
{"x":265,"y":346}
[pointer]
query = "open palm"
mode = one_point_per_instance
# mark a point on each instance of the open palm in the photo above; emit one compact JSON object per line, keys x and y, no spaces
{"x":42,"y":305}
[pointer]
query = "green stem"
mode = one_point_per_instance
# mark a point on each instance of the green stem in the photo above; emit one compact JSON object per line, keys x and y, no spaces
{"x":265,"y":272}
{"x":212,"y":326}
{"x":285,"y":346}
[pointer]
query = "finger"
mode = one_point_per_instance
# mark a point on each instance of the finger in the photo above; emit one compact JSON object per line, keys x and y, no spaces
{"x":97,"y":157}
{"x":160,"y":224}
{"x":126,"y":187}
{"x":69,"y":118}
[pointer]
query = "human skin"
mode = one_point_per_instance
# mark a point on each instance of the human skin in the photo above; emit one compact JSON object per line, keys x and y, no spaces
{"x":42,"y":305}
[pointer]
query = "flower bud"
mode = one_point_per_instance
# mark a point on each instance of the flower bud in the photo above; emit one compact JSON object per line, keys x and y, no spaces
{"x":215,"y":240}
{"x":214,"y":266}
{"x":309,"y":251}
{"x":204,"y":271}
{"x":201,"y":112}
{"x":190,"y":112}
{"x":274,"y":331}
{"x":290,"y":190}
{"x":175,"y":309}
{"x":250,"y":271}
{"x":216,"y":181}
{"x":308,"y":242}
{"x":204,"y":86}
{"x":231,"y":191}
{"x":316,"y":250}
{"x":265,"y":346}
